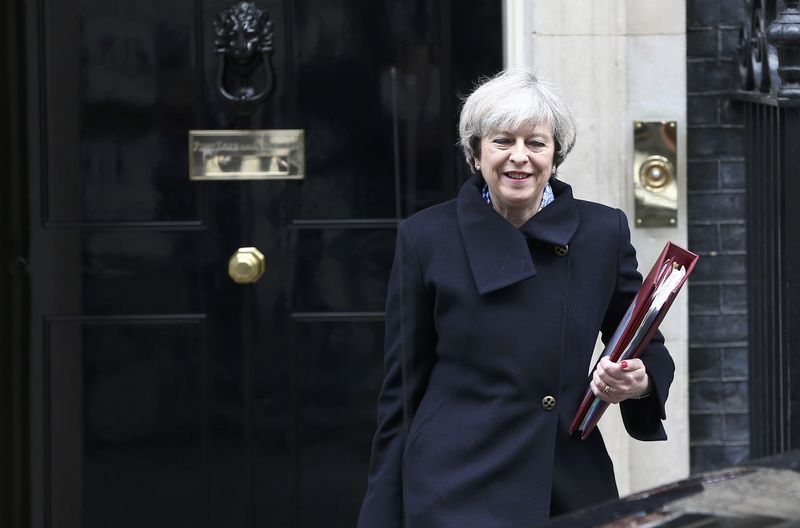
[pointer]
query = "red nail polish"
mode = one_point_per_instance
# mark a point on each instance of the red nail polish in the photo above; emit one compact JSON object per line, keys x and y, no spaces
{"x":624,"y":364}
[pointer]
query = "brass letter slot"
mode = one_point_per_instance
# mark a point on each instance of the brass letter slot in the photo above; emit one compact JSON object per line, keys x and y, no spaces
{"x":246,"y":155}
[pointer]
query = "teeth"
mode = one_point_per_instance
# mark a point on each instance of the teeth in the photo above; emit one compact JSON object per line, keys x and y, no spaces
{"x":517,"y":176}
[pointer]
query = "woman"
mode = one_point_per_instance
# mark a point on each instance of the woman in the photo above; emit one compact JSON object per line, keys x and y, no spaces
{"x":494,"y":305}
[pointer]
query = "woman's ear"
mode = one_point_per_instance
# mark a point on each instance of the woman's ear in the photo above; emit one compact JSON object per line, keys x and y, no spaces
{"x":477,"y":163}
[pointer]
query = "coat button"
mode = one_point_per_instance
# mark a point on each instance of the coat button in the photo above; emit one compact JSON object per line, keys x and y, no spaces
{"x":549,"y":403}
{"x":561,"y":250}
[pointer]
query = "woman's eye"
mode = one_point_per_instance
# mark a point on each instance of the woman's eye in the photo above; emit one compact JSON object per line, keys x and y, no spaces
{"x":502,"y":141}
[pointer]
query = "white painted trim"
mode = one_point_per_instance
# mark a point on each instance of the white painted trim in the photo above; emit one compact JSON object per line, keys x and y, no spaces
{"x":514,"y":35}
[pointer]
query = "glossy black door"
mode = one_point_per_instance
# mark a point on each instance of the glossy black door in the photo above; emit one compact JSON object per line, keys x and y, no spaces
{"x":162,"y":393}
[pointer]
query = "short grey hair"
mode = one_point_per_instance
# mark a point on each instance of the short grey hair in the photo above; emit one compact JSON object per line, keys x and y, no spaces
{"x":510,"y":100}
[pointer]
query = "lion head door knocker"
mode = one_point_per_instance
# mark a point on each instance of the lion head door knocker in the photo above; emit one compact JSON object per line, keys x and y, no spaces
{"x":244,"y":46}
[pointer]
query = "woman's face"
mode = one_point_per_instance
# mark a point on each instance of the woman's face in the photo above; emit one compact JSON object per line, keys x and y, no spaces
{"x":517,"y":164}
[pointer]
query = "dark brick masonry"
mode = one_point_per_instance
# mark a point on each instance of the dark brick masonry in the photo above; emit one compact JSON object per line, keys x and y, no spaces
{"x":716,"y":215}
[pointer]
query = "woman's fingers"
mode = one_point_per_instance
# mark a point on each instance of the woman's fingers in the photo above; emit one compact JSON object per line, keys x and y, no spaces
{"x":631,"y":365}
{"x":614,"y":382}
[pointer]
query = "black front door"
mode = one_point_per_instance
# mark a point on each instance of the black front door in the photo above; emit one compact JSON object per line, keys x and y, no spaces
{"x":161,"y":392}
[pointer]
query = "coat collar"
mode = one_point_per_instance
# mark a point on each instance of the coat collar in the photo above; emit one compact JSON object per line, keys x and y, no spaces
{"x":498,"y":252}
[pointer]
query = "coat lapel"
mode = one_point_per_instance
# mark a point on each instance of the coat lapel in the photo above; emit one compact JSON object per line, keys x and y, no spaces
{"x":557,"y":223}
{"x":498,"y":252}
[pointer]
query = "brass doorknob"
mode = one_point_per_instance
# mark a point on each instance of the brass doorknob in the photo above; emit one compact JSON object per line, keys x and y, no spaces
{"x":246,"y":266}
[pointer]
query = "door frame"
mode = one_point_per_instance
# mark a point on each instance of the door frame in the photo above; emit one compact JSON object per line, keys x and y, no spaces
{"x":14,"y":313}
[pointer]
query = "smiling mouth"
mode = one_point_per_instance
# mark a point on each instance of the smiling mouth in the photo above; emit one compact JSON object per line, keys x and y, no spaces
{"x":517,"y":175}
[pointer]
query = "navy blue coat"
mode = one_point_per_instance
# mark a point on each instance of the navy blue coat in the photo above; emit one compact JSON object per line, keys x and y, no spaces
{"x":483,"y":321}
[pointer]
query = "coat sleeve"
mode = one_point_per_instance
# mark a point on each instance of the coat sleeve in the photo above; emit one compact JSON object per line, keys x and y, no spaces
{"x":642,"y":417}
{"x":409,"y":352}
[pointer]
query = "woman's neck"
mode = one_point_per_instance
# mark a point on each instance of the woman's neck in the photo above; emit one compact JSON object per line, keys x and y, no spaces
{"x":518,"y":216}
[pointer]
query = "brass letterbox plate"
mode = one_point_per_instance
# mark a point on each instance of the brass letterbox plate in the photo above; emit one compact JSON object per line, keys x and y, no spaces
{"x":655,"y":173}
{"x":218,"y":155}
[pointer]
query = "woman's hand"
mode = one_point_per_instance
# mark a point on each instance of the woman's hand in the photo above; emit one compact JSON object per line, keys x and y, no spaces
{"x":615,"y":382}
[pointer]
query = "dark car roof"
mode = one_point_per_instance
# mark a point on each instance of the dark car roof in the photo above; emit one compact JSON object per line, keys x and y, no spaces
{"x":758,"y":493}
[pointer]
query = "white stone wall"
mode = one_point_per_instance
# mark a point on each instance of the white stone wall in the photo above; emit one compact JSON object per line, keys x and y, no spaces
{"x":619,"y":61}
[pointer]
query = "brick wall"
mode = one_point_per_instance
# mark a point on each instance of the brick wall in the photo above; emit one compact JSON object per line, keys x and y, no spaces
{"x":716,"y":215}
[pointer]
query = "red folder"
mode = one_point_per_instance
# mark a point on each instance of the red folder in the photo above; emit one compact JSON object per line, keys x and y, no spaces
{"x":658,"y":290}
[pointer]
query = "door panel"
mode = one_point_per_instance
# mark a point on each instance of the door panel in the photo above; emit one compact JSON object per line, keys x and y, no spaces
{"x":135,"y":387}
{"x":341,"y":269}
{"x":337,"y":419}
{"x":124,"y":272}
{"x":117,"y":85}
{"x":162,"y":393}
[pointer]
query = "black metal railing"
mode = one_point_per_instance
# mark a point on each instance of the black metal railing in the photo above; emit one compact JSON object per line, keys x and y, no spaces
{"x":770,"y":67}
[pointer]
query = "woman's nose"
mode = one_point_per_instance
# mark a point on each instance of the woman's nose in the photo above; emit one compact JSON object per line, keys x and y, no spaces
{"x":518,"y":154}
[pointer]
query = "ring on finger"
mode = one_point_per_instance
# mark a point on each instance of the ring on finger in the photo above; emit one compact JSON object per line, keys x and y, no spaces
{"x":608,"y":387}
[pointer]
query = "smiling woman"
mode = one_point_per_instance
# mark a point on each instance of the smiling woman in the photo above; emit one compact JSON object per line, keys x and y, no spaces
{"x":494,"y":304}
{"x":516,"y":130}
{"x":517,"y":166}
